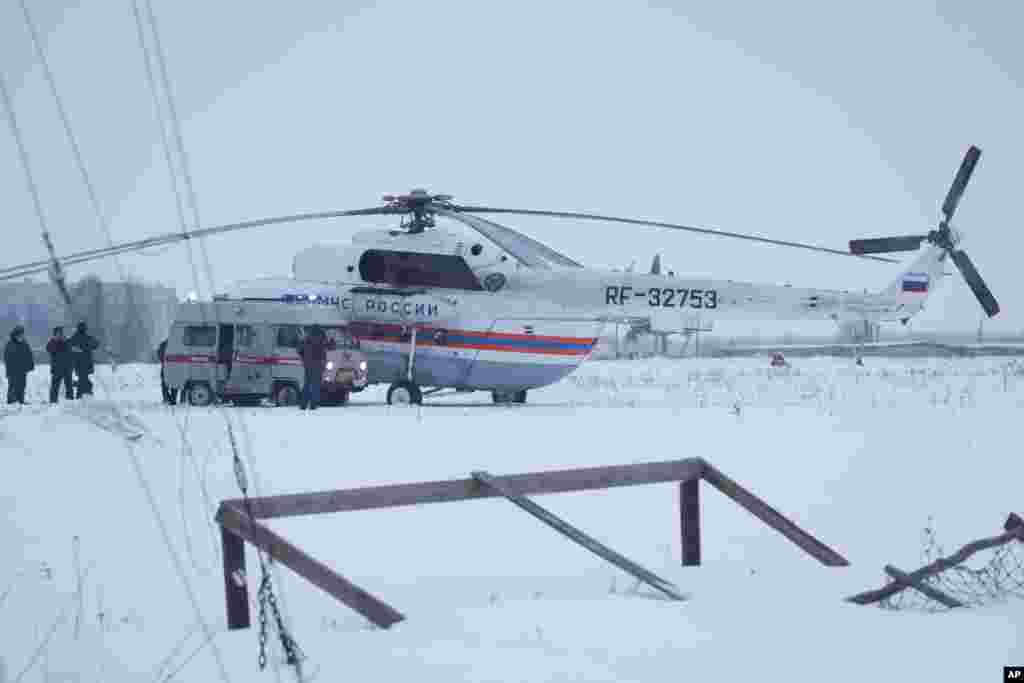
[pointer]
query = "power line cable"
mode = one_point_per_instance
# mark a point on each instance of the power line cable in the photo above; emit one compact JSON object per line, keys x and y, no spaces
{"x":166,"y":145}
{"x":266,"y":594}
{"x":179,"y":141}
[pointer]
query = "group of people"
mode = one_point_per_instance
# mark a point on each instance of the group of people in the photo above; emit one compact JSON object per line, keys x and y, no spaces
{"x":67,"y":356}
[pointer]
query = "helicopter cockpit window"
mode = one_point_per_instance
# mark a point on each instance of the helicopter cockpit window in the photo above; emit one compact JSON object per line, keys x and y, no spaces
{"x":413,"y":269}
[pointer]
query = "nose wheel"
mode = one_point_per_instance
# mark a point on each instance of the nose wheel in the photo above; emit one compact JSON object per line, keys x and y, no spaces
{"x":505,"y":397}
{"x":404,"y":393}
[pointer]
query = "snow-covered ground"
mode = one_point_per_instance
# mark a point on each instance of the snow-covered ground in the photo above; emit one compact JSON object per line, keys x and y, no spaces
{"x":860,"y":457}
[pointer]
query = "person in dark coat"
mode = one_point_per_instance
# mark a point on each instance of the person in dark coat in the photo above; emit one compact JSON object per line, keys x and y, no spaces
{"x":18,"y":362}
{"x":170,"y":395}
{"x":313,"y":351}
{"x":82,"y":346}
{"x":60,"y":365}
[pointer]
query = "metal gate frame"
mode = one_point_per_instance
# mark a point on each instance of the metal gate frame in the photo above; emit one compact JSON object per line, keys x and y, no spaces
{"x":237,"y":527}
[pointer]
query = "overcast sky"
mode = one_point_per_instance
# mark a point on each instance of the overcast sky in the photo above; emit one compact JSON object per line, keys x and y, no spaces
{"x":794,"y":120}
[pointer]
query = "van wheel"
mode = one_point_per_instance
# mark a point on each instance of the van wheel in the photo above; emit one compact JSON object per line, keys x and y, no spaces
{"x":404,"y":393}
{"x":286,"y":395}
{"x":519,"y":396}
{"x":199,"y":394}
{"x":503,"y":397}
{"x":343,"y":399}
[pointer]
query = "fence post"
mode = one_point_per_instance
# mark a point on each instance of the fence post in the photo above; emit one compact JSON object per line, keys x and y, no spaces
{"x":689,"y":514}
{"x":235,"y":582}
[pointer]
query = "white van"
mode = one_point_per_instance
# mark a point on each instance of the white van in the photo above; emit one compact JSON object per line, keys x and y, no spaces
{"x":245,"y":351}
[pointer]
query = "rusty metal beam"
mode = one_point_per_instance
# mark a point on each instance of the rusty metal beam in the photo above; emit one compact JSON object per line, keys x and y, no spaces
{"x":919,"y":584}
{"x":773,"y":518}
{"x":1016,"y":533}
{"x":234,"y":520}
{"x":689,"y":520}
{"x":530,"y":484}
{"x":581,"y":538}
{"x":235,"y":585}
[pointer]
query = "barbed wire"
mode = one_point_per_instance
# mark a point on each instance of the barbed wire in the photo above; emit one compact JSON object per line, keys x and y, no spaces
{"x":997,"y":580}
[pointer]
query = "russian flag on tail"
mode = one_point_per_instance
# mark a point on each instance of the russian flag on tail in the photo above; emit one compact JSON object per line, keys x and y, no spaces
{"x":915,"y":282}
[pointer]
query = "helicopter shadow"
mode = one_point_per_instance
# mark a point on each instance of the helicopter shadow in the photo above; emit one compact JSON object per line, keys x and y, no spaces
{"x":468,"y":404}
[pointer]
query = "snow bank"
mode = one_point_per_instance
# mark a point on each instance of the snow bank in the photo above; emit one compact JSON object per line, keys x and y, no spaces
{"x":860,"y":457}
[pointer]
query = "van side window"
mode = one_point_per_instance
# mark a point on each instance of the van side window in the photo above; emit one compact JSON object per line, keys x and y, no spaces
{"x":200,"y":335}
{"x":288,"y":336}
{"x":245,"y":336}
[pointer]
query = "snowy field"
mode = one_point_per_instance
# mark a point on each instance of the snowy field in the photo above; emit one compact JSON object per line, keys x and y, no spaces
{"x":859,"y":457}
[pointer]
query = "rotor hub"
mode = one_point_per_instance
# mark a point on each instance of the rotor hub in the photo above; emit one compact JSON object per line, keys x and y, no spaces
{"x":947,"y":237}
{"x":418,"y":203}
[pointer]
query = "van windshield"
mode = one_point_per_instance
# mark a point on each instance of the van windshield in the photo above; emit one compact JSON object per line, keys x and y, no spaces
{"x":342,"y":338}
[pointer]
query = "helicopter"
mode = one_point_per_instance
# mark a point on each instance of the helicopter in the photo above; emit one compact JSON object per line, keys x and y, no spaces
{"x":499,"y":311}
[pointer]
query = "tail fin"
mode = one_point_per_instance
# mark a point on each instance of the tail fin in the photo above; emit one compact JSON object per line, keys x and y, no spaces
{"x":923,"y":273}
{"x":914,"y":284}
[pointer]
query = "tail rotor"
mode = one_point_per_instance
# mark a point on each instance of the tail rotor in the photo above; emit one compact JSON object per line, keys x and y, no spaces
{"x":943,"y":237}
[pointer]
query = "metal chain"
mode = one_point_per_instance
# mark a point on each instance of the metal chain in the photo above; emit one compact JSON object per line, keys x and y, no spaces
{"x":265,"y":595}
{"x":292,"y":653}
{"x":263,"y":621}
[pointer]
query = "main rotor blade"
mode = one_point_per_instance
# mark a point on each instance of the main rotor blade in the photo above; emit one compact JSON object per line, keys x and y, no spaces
{"x":659,"y":224}
{"x":974,"y":281}
{"x":880,"y":245}
{"x":956,"y":190}
{"x":13,"y":272}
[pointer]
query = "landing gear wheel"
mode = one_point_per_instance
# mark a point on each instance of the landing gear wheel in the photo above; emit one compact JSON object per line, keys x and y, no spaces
{"x":404,"y":393}
{"x":503,"y":397}
{"x":286,"y":395}
{"x":199,"y":394}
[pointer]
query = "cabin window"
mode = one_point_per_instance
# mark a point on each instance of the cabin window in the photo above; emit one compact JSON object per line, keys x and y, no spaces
{"x":200,"y":335}
{"x":289,"y":336}
{"x":412,"y":269}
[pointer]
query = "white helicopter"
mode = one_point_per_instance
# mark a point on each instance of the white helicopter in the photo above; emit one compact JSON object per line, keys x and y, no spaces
{"x":504,"y":313}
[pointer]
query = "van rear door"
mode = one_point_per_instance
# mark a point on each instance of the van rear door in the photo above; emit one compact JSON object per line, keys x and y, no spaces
{"x":200,"y":354}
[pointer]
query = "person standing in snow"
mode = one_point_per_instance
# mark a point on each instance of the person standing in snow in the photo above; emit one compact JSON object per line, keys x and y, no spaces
{"x":60,"y":365}
{"x":313,"y":351}
{"x":170,"y":395}
{"x":82,"y":346}
{"x":18,"y":362}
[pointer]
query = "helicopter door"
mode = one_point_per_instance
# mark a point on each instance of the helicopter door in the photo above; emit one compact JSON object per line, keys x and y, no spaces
{"x":465,"y":358}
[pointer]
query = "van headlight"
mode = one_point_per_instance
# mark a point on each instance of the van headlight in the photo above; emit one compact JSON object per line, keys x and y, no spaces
{"x":330,"y":365}
{"x":362,"y":365}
